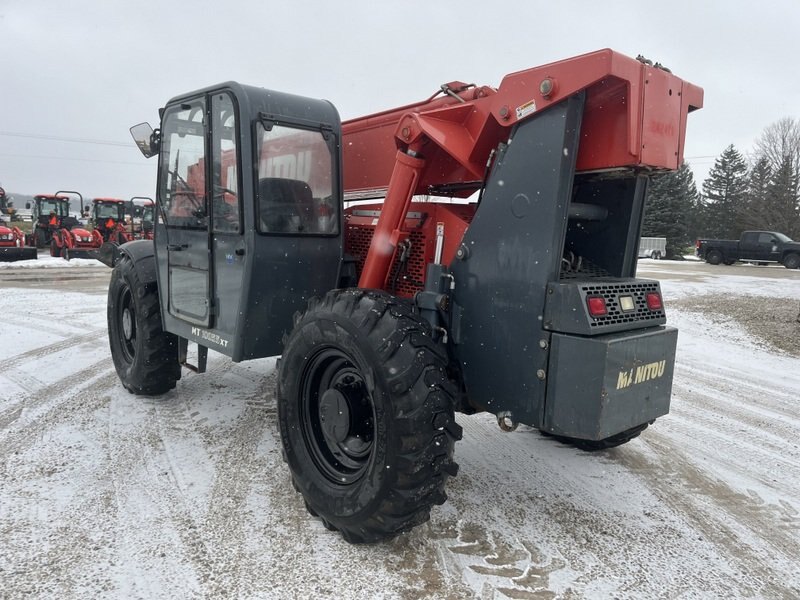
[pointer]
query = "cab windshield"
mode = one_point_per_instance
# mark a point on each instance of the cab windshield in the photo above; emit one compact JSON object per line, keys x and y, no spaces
{"x":106,"y":211}
{"x":46,"y":206}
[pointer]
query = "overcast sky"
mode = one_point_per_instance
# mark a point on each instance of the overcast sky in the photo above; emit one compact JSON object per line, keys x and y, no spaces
{"x":74,"y":76}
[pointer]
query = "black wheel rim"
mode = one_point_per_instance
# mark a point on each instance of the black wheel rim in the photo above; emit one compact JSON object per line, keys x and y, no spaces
{"x":337,"y":416}
{"x":127,"y":324}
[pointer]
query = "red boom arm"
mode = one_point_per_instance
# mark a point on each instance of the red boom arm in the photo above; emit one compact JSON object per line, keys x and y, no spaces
{"x":635,"y":116}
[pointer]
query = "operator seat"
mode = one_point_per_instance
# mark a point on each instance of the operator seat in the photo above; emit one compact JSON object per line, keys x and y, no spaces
{"x":285,"y":205}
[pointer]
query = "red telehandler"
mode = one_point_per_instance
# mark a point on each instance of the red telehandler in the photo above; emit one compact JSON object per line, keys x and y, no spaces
{"x":498,"y":273}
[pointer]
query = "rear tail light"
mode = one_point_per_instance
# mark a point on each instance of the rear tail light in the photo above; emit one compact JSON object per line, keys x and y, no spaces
{"x":597,"y":306}
{"x":654,"y":301}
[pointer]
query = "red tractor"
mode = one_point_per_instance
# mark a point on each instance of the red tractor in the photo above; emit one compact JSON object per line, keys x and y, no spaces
{"x":50,"y":214}
{"x":142,"y":213}
{"x":71,"y":239}
{"x":12,"y":244}
{"x":108,"y":217}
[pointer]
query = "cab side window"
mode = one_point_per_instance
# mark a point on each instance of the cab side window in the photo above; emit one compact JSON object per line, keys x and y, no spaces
{"x":295,"y":181}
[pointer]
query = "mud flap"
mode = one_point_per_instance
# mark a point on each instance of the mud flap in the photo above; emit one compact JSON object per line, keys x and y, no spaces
{"x":603,"y":385}
{"x":16,"y":253}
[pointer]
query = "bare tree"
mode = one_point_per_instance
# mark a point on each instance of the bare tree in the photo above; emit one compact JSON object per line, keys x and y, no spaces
{"x":778,"y":146}
{"x":778,"y":141}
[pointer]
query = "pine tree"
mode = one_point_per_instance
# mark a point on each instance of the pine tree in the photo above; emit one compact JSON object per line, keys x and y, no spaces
{"x":781,"y":208}
{"x":725,"y":193}
{"x":671,"y":200}
{"x":754,"y":208}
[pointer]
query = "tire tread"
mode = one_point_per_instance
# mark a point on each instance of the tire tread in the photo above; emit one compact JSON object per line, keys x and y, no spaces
{"x":413,"y":367}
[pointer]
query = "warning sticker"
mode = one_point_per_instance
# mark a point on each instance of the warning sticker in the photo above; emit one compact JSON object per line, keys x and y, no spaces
{"x":526,"y":109}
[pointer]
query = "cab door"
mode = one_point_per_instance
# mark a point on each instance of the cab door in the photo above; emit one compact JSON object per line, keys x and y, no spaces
{"x":184,"y":201}
{"x":770,"y":247}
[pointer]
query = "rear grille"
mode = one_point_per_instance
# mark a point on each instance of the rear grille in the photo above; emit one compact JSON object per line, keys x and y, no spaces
{"x":580,"y":268}
{"x":611,"y":292}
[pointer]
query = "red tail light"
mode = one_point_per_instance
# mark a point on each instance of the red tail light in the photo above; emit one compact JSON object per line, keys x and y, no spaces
{"x":597,"y":306}
{"x":654,"y":301}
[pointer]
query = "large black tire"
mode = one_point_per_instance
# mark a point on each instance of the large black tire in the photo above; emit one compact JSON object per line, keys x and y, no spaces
{"x":38,"y":239}
{"x":366,"y":415}
{"x":55,"y":251}
{"x":714,"y":257}
{"x":610,"y":442}
{"x":791,"y":261}
{"x":145,"y":356}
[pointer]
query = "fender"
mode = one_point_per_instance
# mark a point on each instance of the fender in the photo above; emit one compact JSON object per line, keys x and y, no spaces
{"x":139,"y":251}
{"x":61,"y":238}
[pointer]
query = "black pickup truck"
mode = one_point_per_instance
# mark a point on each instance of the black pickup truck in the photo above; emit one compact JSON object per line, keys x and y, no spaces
{"x":754,"y":246}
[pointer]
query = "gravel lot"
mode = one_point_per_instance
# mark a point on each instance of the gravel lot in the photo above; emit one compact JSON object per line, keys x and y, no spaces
{"x":773,"y":323}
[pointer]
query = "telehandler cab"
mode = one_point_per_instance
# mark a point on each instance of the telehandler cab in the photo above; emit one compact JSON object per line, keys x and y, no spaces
{"x":521,"y":300}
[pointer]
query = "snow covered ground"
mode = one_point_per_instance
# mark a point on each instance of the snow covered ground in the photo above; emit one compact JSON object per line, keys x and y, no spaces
{"x":106,"y":495}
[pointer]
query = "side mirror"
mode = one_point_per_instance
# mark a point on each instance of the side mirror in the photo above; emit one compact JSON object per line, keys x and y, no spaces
{"x":27,"y":205}
{"x":146,"y":139}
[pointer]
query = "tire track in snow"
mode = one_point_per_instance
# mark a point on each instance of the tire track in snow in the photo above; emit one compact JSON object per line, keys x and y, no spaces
{"x":235,"y":470}
{"x":566,"y":512}
{"x":45,"y":324}
{"x":739,"y":448}
{"x":515,"y":568}
{"x":64,"y":555}
{"x":532,"y":497}
{"x":780,"y":399}
{"x":47,"y":401}
{"x":209,"y":527}
{"x":703,"y":404}
{"x":37,"y":353}
{"x":152,"y":515}
{"x":710,"y":506}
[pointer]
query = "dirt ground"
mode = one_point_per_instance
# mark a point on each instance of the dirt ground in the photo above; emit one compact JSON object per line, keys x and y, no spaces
{"x":777,"y":328}
{"x":106,"y":495}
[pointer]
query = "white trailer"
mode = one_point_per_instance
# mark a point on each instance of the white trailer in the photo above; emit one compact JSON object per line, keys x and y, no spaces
{"x":653,"y":247}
